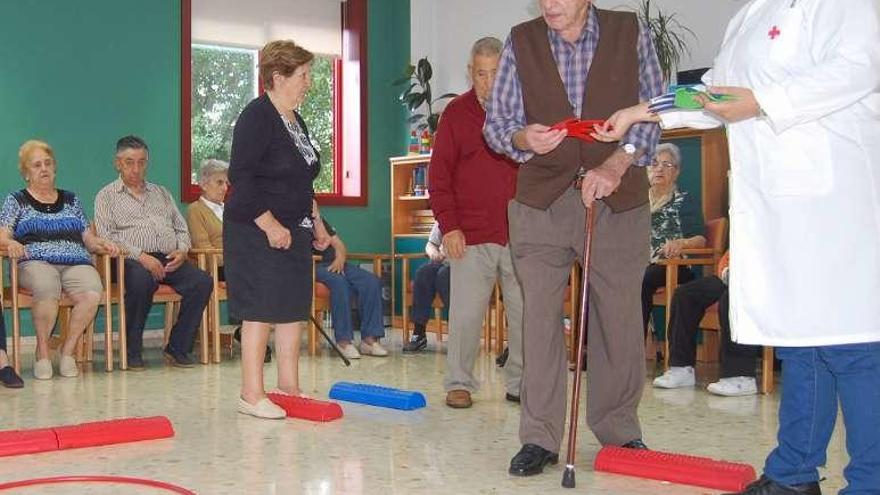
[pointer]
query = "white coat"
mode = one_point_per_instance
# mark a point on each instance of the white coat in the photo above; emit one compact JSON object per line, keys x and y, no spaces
{"x":805,"y":179}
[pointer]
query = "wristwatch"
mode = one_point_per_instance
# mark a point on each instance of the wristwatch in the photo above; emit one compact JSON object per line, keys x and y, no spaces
{"x":629,"y":149}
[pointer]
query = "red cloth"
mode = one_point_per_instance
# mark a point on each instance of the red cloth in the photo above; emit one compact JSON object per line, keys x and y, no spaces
{"x":469,"y":184}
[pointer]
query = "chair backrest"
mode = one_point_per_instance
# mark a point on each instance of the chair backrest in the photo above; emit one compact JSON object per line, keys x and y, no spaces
{"x":716,"y":235}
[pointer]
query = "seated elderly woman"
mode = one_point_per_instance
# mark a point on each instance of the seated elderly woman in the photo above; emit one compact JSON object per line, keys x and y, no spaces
{"x":676,"y":223}
{"x":46,"y":229}
{"x":204,"y":218}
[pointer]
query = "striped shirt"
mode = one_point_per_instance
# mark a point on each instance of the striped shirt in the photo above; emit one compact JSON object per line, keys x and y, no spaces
{"x":505,"y":112}
{"x":151,"y":223}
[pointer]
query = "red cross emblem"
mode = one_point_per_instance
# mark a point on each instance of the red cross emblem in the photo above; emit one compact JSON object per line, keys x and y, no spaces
{"x":774,"y":33}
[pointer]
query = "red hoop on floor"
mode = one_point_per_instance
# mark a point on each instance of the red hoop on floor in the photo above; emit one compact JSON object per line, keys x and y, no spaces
{"x":125,"y":480}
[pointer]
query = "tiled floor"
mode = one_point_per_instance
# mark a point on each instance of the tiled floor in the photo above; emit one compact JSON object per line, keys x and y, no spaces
{"x":436,"y":450}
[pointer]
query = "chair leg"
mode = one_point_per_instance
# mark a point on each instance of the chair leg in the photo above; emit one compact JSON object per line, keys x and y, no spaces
{"x":169,"y":321}
{"x":767,"y":374}
{"x":313,"y":336}
{"x":438,"y":316}
{"x":500,"y":323}
{"x":204,"y":329}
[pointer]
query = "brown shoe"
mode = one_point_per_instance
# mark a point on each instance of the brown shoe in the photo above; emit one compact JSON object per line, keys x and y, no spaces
{"x":459,"y":399}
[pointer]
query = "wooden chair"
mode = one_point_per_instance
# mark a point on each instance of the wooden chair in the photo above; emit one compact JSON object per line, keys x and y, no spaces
{"x":716,"y":243}
{"x":321,"y":293}
{"x":17,"y":298}
{"x":208,"y":259}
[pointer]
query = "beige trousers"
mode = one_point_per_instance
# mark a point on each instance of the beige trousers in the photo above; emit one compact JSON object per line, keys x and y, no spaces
{"x":545,"y":243}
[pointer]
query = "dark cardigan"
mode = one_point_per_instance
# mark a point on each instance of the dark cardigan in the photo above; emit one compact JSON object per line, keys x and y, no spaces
{"x":267,"y":170}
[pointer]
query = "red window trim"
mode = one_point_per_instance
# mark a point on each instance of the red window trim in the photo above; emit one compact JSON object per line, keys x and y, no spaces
{"x":354,"y":48}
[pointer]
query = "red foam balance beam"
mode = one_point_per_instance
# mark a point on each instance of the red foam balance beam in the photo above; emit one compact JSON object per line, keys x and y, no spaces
{"x":113,"y":431}
{"x":675,"y":468}
{"x":19,"y":442}
{"x":310,"y":409}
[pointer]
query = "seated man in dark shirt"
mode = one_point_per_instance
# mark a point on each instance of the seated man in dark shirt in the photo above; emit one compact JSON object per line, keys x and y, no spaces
{"x":431,"y":278}
{"x":345,"y":280}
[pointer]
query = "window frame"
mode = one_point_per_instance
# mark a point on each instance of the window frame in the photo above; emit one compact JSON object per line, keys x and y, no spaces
{"x":354,"y":49}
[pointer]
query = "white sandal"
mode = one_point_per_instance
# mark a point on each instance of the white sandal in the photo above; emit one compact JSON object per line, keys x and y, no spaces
{"x":264,"y":408}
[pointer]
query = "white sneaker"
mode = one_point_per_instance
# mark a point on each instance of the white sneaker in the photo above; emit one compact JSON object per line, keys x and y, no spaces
{"x":350,"y":351}
{"x":736,"y":386}
{"x":67,"y":367}
{"x":43,"y":369}
{"x":374,"y":349}
{"x":676,"y":377}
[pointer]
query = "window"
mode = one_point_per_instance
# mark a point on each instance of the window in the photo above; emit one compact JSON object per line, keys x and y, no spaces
{"x":218,"y":79}
{"x":224,"y":80}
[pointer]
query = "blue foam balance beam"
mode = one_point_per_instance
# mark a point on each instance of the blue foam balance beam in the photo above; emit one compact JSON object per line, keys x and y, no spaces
{"x":375,"y":395}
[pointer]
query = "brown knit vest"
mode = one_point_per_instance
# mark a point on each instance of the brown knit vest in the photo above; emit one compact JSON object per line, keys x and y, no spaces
{"x":612,"y":84}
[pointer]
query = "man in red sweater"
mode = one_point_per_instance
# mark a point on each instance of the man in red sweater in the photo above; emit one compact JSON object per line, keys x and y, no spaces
{"x":470,"y":186}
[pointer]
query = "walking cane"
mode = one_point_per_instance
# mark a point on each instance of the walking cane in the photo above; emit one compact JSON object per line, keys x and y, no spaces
{"x":568,"y":476}
{"x":330,"y":341}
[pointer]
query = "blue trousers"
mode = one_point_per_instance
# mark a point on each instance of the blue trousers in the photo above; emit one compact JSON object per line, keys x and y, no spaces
{"x":353,"y":282}
{"x":431,"y":278}
{"x":814,"y":381}
{"x":192,"y":284}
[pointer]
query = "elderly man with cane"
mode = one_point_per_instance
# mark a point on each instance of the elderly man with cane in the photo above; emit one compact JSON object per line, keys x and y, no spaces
{"x":577,"y":60}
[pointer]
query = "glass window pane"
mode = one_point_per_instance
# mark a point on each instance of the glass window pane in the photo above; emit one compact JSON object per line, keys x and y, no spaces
{"x":317,"y":111}
{"x":224,"y":80}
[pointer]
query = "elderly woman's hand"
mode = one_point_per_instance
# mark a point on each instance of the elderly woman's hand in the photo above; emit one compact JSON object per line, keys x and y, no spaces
{"x":279,"y":237}
{"x":15,"y":249}
{"x":103,"y":246}
{"x":673,"y":248}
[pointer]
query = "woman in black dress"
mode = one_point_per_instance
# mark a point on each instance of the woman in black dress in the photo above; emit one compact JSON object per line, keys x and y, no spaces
{"x":267,"y":234}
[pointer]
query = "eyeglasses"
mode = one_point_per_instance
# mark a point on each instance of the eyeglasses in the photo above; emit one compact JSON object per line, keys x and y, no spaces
{"x":129,"y":162}
{"x":664,"y":164}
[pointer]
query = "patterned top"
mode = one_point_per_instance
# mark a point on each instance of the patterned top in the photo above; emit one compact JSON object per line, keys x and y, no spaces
{"x":505,"y":113}
{"x":679,"y":218}
{"x":151,"y":224}
{"x":49,"y":232}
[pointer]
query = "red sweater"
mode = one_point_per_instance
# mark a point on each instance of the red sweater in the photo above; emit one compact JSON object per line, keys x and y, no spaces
{"x":469,"y":184}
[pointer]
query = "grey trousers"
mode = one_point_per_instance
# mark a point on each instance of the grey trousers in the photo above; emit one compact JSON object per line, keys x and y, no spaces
{"x":545,"y":243}
{"x":472,"y":280}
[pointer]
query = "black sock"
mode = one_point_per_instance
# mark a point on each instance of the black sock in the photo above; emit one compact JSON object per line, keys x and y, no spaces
{"x":419,"y":329}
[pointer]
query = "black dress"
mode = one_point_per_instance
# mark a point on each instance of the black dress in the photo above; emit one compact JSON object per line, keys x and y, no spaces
{"x":272,"y":167}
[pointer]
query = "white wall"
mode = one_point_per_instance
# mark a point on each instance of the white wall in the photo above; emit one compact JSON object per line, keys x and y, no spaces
{"x":444,"y":30}
{"x":316,"y":24}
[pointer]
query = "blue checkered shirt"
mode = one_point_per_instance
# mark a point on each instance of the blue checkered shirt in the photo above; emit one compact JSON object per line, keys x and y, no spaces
{"x":505,"y":113}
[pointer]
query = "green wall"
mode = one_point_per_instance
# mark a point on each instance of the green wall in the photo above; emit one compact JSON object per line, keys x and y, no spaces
{"x":368,"y":229}
{"x":81,"y":74}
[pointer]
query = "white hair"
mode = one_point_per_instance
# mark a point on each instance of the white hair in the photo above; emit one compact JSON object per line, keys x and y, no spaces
{"x":673,"y":151}
{"x":210,"y":167}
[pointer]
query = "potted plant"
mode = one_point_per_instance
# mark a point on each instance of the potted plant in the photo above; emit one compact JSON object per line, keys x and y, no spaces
{"x":668,"y":35}
{"x":418,"y":93}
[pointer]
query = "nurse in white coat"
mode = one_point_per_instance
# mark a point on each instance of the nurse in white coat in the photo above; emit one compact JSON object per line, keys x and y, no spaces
{"x":804,"y":135}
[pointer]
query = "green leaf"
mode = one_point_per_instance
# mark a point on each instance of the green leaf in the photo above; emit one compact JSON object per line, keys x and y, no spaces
{"x":424,"y":71}
{"x":447,"y":95}
{"x":407,"y":91}
{"x":417,"y":101}
{"x":407,"y":75}
{"x":433,"y":120}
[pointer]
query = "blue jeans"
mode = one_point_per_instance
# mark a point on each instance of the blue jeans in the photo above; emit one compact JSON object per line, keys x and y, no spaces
{"x":814,"y":380}
{"x":431,"y":278}
{"x":353,"y":281}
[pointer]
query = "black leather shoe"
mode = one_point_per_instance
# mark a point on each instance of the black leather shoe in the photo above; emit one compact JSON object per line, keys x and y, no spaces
{"x":136,"y":363}
{"x":637,"y":444}
{"x":178,"y":359}
{"x":530,"y":460}
{"x":417,"y":342}
{"x":766,"y":486}
{"x":9,"y":378}
{"x":511,"y":397}
{"x":501,"y":360}
{"x":267,"y":358}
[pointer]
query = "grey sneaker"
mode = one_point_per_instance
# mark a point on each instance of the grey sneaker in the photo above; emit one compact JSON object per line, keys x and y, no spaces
{"x":736,"y":386}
